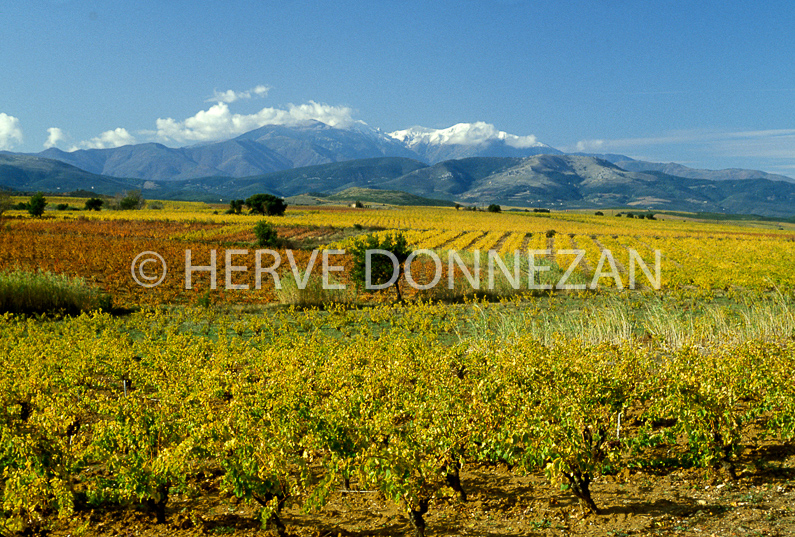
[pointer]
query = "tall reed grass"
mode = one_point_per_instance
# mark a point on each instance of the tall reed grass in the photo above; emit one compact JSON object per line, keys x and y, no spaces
{"x":43,"y":292}
{"x":652,"y":320}
{"x":313,"y":293}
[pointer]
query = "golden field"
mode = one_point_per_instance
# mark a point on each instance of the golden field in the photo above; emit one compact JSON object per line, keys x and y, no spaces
{"x":101,"y":246}
{"x":587,"y":411}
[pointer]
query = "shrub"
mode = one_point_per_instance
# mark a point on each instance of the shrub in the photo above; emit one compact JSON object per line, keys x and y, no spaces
{"x":132,"y":200}
{"x":155,"y":206}
{"x":599,"y":213}
{"x":37,"y":204}
{"x":40,"y":292}
{"x":5,"y":201}
{"x":62,"y":207}
{"x":382,"y":269}
{"x":266,"y":234}
{"x":494,"y":208}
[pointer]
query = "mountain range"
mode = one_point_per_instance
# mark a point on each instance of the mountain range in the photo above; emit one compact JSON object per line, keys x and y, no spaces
{"x":469,"y":163}
{"x":278,"y":147}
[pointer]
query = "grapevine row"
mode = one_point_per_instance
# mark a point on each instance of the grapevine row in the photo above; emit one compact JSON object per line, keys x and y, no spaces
{"x":128,"y":411}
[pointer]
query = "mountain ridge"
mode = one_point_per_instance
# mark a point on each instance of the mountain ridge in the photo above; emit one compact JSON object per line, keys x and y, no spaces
{"x":494,"y":167}
{"x":273,"y":148}
{"x":551,"y":181}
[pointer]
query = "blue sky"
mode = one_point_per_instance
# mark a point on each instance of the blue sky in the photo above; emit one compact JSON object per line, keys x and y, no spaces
{"x":706,"y":84}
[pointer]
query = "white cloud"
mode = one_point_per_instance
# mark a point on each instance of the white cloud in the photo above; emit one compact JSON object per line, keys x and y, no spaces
{"x":774,"y":144}
{"x":230,"y":96}
{"x":768,"y":143}
{"x":620,"y":144}
{"x":113,"y":138}
{"x":463,"y":134}
{"x":9,"y":131}
{"x":589,"y":145}
{"x":335,"y":116}
{"x":218,"y":122}
{"x":54,"y":136}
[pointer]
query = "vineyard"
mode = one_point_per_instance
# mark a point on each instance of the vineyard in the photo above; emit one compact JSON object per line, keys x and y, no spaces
{"x":597,"y":411}
{"x":100,"y":248}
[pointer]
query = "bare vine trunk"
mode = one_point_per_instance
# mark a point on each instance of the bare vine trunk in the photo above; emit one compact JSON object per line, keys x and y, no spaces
{"x":581,"y":487}
{"x":415,"y":516}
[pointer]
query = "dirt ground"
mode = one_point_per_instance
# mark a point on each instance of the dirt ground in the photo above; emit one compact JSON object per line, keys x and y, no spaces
{"x":701,"y":502}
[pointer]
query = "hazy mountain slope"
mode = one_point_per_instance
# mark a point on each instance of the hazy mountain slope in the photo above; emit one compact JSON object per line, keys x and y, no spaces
{"x":141,"y":161}
{"x":160,"y":163}
{"x":528,"y":181}
{"x":493,"y":148}
{"x":313,"y":142}
{"x":392,"y":197}
{"x":275,"y":148}
{"x":450,"y":178}
{"x":579,"y":181}
{"x":264,"y":150}
{"x":324,"y":178}
{"x":730,"y":174}
{"x":556,"y":181}
{"x":548,"y":178}
{"x":235,"y":158}
{"x":30,"y":174}
{"x":339,"y":176}
{"x":570,"y":181}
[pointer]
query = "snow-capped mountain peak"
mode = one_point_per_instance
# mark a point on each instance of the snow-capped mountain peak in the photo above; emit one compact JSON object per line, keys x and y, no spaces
{"x":464,"y":140}
{"x":464,"y":134}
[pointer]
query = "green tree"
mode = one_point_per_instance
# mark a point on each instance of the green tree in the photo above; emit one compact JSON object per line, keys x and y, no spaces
{"x":94,"y":204}
{"x":266,"y":204}
{"x":37,"y":204}
{"x":377,"y":270}
{"x":494,"y":208}
{"x":235,"y":206}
